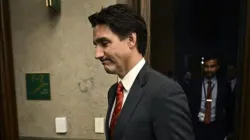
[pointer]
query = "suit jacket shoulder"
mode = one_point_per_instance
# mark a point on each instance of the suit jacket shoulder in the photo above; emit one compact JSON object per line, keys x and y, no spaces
{"x":156,"y":108}
{"x":171,"y":117}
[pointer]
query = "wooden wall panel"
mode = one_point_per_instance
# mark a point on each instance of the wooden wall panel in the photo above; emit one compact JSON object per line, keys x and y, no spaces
{"x":8,"y":111}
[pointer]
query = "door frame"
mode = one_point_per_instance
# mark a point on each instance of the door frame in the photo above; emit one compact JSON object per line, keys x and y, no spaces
{"x":242,"y":133}
{"x":8,"y":107}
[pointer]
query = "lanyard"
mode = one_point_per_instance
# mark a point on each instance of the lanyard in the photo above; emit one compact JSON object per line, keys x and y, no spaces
{"x":205,"y":91}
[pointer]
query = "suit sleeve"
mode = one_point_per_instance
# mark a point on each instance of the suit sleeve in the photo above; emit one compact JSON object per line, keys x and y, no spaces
{"x":171,"y":115}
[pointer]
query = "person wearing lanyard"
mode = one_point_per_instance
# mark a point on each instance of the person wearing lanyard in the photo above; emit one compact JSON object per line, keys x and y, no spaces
{"x":210,"y":102}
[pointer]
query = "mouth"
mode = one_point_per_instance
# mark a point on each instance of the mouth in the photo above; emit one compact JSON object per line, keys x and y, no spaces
{"x":209,"y":74}
{"x":105,"y":62}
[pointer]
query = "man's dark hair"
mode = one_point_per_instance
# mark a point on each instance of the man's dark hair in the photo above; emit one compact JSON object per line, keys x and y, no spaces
{"x":122,"y":20}
{"x":211,"y":58}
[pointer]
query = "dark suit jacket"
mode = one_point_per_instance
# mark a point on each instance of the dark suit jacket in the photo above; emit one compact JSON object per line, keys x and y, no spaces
{"x":224,"y":104}
{"x":184,"y":85}
{"x":156,"y":109}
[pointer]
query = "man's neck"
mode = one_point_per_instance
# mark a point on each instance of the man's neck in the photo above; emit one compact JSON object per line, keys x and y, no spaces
{"x":234,"y":79}
{"x":210,"y":78}
{"x":132,"y":63}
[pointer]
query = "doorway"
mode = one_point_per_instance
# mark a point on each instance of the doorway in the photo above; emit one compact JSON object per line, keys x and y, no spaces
{"x":184,"y":32}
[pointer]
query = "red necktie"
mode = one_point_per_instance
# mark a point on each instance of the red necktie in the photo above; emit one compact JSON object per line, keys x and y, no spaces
{"x":207,"y":118}
{"x":118,"y":107}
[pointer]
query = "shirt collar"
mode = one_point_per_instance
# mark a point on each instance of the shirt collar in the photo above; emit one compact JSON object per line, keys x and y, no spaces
{"x":129,"y":78}
{"x":213,"y":80}
{"x":235,"y":79}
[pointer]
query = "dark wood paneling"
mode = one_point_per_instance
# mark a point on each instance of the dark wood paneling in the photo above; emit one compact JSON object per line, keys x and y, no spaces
{"x":163,"y":47}
{"x":244,"y":121}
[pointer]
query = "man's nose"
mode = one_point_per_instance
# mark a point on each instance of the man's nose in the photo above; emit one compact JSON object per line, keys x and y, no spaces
{"x":98,"y":52}
{"x":210,"y":69}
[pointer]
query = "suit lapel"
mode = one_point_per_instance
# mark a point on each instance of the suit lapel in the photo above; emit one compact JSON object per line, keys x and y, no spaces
{"x":131,"y":103}
{"x":111,"y":99}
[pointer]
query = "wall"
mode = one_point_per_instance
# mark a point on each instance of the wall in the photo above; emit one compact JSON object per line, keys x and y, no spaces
{"x":62,"y":46}
{"x":122,"y":1}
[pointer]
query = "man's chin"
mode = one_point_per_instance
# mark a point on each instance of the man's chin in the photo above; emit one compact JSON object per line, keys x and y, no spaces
{"x":209,"y":76}
{"x":109,"y":71}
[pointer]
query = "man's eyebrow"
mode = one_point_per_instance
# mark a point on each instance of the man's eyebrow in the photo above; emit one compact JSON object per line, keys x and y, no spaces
{"x":100,"y":40}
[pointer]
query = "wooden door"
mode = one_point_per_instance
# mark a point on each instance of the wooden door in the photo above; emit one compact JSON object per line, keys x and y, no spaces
{"x":244,"y":115}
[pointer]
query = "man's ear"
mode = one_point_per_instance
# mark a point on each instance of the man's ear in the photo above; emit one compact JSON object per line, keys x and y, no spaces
{"x":132,"y":40}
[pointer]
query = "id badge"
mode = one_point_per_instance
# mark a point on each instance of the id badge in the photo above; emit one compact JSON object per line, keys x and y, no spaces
{"x":201,"y":116}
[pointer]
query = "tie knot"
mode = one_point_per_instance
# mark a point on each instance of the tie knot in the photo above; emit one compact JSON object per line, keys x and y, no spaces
{"x":209,"y":82}
{"x":120,"y":86}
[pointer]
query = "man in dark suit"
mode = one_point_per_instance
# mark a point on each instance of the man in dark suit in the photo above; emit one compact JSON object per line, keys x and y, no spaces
{"x":232,"y":77}
{"x":184,"y":82}
{"x":234,"y":85}
{"x":143,"y":104}
{"x":211,"y":104}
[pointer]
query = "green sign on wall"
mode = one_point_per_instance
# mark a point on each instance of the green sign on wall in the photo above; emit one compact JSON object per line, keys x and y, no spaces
{"x":38,"y":86}
{"x":55,"y":4}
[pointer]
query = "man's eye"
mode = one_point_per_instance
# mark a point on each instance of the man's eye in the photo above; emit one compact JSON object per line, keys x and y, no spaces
{"x":105,"y":44}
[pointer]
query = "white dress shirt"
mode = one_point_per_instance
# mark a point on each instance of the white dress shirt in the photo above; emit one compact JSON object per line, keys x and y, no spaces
{"x":214,"y":97}
{"x":128,"y":81}
{"x":232,"y":83}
